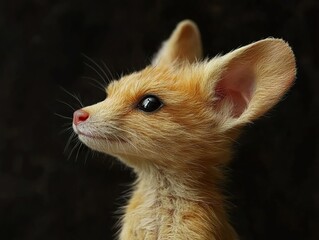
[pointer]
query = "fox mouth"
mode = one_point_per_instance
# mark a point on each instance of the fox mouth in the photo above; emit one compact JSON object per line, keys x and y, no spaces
{"x":79,"y":133}
{"x":98,"y":137}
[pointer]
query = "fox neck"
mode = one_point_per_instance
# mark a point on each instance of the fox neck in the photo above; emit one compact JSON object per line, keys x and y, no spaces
{"x":189,"y":205}
{"x":200,"y":185}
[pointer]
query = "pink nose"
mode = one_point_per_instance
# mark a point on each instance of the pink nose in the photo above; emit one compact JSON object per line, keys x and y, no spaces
{"x":80,"y":116}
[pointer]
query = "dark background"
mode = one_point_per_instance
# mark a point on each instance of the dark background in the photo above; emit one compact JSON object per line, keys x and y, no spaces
{"x":44,"y":195}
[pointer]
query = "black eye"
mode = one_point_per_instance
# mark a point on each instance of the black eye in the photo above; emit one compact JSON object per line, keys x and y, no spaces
{"x":149,"y":103}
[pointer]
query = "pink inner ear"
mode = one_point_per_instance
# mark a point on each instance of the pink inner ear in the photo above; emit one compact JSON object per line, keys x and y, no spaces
{"x":237,"y":86}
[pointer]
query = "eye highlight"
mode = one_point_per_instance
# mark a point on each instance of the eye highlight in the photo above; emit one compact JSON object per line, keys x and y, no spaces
{"x":149,"y":103}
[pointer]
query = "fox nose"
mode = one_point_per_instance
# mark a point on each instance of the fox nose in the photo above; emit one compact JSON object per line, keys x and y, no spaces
{"x":80,"y":116}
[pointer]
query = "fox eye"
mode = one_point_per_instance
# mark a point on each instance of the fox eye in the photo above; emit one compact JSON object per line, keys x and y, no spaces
{"x":149,"y":103}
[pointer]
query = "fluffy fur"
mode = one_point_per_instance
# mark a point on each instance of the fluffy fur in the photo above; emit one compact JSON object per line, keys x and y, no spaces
{"x":179,"y":151}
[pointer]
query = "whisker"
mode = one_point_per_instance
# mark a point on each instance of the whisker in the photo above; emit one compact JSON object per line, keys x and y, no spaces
{"x":87,"y":155}
{"x":72,"y":95}
{"x":106,"y":77}
{"x":75,"y":146}
{"x":107,"y":69}
{"x":101,"y":86}
{"x":77,"y":154}
{"x":122,"y":130}
{"x":60,"y":115}
{"x":67,"y":104}
{"x":69,"y":141}
{"x":69,"y":129}
{"x":79,"y":100}
{"x":97,"y":86}
{"x":99,"y":74}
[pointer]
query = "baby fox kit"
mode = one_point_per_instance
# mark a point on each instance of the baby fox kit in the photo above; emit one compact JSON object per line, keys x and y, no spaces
{"x":174,"y":123}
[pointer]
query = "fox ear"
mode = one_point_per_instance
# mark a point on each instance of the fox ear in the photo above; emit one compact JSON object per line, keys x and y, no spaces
{"x":250,"y":80}
{"x":183,"y":44}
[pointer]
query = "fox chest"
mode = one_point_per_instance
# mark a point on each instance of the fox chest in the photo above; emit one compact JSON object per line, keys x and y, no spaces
{"x":164,"y":219}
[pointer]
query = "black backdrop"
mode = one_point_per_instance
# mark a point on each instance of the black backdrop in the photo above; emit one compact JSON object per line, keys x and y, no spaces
{"x":43,"y":195}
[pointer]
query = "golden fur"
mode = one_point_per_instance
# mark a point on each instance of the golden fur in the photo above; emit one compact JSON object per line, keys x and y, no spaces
{"x":179,"y":151}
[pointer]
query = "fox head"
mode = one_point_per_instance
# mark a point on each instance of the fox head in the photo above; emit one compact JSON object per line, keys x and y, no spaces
{"x":183,"y":111}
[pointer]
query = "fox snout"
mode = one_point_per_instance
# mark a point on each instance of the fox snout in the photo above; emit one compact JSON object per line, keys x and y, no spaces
{"x":80,"y":116}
